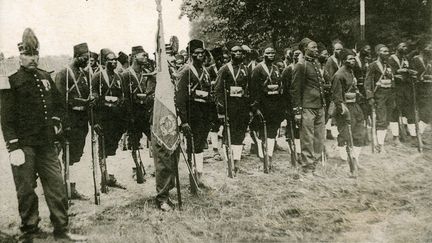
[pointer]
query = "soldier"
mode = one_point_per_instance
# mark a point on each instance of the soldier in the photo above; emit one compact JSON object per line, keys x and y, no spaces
{"x":287,"y":76}
{"x":226,"y":57}
{"x":193,"y":102}
{"x":93,"y":63}
{"x":110,"y":115}
{"x":334,"y":62}
{"x":232,"y":86}
{"x":267,"y":100}
{"x":307,"y":94}
{"x":404,"y":98}
{"x":73,"y":84}
{"x":287,"y":57}
{"x":253,"y":56}
{"x":363,"y":59}
{"x":379,"y":86}
{"x":139,"y":86}
{"x":423,"y":65}
{"x":31,"y":115}
{"x":216,"y":123}
{"x":344,"y":95}
{"x":123,"y":59}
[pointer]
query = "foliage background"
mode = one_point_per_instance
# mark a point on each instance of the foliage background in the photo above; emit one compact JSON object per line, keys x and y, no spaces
{"x":282,"y":23}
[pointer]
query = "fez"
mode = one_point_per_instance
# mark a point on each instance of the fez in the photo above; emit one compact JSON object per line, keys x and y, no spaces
{"x":379,"y":47}
{"x":104,"y":53}
{"x":345,"y":53}
{"x":194,"y":45}
{"x":122,"y":57}
{"x":80,"y":49}
{"x":94,"y":55}
{"x":304,"y":43}
{"x":231,"y":44}
{"x":137,"y":49}
{"x":217,"y":52}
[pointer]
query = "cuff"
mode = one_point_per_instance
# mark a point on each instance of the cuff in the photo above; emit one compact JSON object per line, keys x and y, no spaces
{"x":12,"y":145}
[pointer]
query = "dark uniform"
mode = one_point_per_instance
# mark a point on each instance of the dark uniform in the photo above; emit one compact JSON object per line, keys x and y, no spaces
{"x":287,"y":78}
{"x":424,"y":87}
{"x":193,"y":103}
{"x":308,"y":97}
{"x":235,"y":81}
{"x":360,"y":71}
{"x":29,"y":111}
{"x":110,"y":112}
{"x":267,"y":96}
{"x":344,"y":92}
{"x":140,"y":91}
{"x":74,"y":81}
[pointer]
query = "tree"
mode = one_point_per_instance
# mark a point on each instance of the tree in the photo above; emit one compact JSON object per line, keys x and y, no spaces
{"x":281,"y":22}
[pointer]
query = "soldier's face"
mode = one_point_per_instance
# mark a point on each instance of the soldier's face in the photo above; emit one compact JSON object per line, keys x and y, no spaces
{"x":82,"y":60}
{"x":141,"y":58}
{"x":226,"y":58}
{"x":337,"y":49}
{"x":312,"y":49}
{"x":384,"y":53}
{"x":29,"y":61}
{"x":403,"y":48}
{"x":111,"y":61}
{"x":92,"y":62}
{"x":269,"y":54}
{"x":179,"y":63}
{"x":199,"y":55}
{"x":350,"y":61}
{"x":237,"y":53}
{"x":296,"y":56}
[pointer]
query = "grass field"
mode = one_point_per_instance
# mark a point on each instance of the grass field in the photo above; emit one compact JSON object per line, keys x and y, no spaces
{"x":390,"y":201}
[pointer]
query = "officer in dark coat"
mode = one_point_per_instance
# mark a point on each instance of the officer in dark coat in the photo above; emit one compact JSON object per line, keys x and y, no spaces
{"x":379,"y":86}
{"x":193,"y":102}
{"x":73,"y":83}
{"x":423,"y":65}
{"x":232,"y":83}
{"x":307,"y":92}
{"x":344,"y":95}
{"x":267,"y":99}
{"x":31,"y":114}
{"x":109,"y":90}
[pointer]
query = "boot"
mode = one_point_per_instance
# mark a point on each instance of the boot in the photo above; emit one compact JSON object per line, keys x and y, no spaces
{"x":254,"y":149}
{"x":112,"y":182}
{"x":396,"y":140}
{"x":75,"y":195}
{"x":200,"y":181}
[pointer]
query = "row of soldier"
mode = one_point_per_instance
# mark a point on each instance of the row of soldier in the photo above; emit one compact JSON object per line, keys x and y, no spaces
{"x":213,"y":89}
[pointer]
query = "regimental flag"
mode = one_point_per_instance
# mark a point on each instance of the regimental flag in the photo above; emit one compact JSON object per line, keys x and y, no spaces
{"x":165,"y":128}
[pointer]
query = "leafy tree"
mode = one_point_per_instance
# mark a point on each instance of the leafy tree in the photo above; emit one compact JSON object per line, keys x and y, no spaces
{"x":283,"y":22}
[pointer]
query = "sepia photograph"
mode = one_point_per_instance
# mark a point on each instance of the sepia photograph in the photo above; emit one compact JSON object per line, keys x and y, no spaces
{"x":215,"y":121}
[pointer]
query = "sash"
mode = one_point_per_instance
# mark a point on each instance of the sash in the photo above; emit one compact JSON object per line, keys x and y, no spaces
{"x":138,"y":80}
{"x":69,"y":70}
{"x":231,"y":69}
{"x":267,"y":70}
{"x":335,"y":61}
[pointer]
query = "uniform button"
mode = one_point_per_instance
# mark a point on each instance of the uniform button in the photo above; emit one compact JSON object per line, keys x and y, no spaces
{"x":40,"y":90}
{"x":44,"y":106}
{"x":43,"y":101}
{"x":46,"y":118}
{"x":38,"y":85}
{"x":46,"y":112}
{"x":37,"y":79}
{"x":42,"y":95}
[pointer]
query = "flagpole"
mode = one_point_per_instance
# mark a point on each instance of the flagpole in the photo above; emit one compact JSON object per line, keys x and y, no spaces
{"x":362,"y":20}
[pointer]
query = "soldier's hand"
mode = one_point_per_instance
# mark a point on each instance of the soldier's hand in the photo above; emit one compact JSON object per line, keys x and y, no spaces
{"x":297,"y":118}
{"x":17,"y":157}
{"x":186,"y":129}
{"x":402,"y":70}
{"x":259,"y":113}
{"x":98,"y":129}
{"x":58,"y":128}
{"x":371,"y":101}
{"x":344,"y":109}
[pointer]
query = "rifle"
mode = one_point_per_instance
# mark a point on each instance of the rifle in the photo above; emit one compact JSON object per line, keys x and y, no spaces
{"x":267,"y":163}
{"x":93,"y":146}
{"x":66,"y":150}
{"x":416,"y":117}
{"x":102,"y":160}
{"x":373,"y":129}
{"x":140,"y":172}
{"x":349,"y":148}
{"x":228,"y":133}
{"x":177,"y":181}
{"x":192,"y":177}
{"x":291,"y":143}
{"x":191,"y":153}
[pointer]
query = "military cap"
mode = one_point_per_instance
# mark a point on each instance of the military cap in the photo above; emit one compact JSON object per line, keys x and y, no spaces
{"x":246,"y":48}
{"x":104,"y":53}
{"x":29,"y":44}
{"x":217,"y":52}
{"x":122,"y":57}
{"x":379,"y":47}
{"x":304,"y":43}
{"x":94,"y":55}
{"x":80,"y":49}
{"x":179,"y":57}
{"x":194,"y":45}
{"x":345,"y":53}
{"x":137,"y":49}
{"x":231,"y":44}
